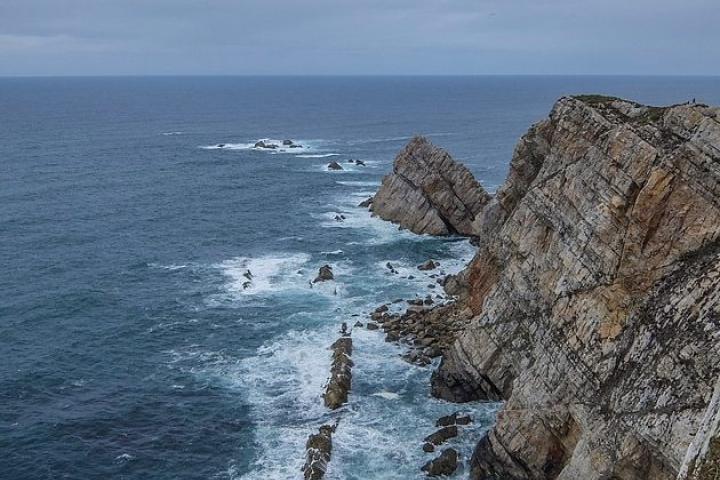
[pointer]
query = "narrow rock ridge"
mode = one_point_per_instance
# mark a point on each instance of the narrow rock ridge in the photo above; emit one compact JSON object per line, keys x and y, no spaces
{"x":338,"y":387}
{"x":429,"y":192}
{"x":595,"y":297}
{"x":318,"y":451}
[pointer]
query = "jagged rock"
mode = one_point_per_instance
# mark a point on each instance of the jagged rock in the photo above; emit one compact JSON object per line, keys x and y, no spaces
{"x":318,"y":451}
{"x":595,"y":295}
{"x":445,"y":464}
{"x":372,"y":326}
{"x":288,"y":143}
{"x":428,"y":447}
{"x":442,"y":435}
{"x":324,"y":274}
{"x":334,"y":166}
{"x":428,"y":192}
{"x":338,"y":387}
{"x":360,"y":163}
{"x":429,"y":265}
{"x":263,"y":144}
{"x":366,"y":203}
{"x":453,"y":419}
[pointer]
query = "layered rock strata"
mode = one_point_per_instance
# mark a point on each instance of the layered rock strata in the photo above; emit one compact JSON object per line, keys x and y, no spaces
{"x":429,"y":192}
{"x":595,"y":297}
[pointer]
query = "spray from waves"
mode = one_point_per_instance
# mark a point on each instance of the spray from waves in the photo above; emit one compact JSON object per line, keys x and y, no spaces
{"x":320,"y":155}
{"x":380,"y":436}
{"x":279,"y":274}
{"x":299,"y":147}
{"x":283,"y":384}
{"x":358,"y":184}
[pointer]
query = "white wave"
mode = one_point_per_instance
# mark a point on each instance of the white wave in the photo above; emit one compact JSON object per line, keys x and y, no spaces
{"x":320,"y":155}
{"x":282,"y":384}
{"x":172,"y":133}
{"x":357,"y":184}
{"x":333,"y":252}
{"x":167,"y":267}
{"x":270,"y":273}
{"x":387,"y":395}
{"x":301,"y":146}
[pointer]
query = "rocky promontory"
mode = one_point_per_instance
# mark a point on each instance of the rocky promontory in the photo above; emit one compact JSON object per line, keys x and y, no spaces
{"x":594,"y":297}
{"x":429,"y":192}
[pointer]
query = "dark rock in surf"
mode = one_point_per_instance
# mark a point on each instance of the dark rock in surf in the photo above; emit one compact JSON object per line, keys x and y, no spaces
{"x":338,"y":387}
{"x":445,"y":464}
{"x":334,"y":166}
{"x":318,"y":451}
{"x":324,"y":274}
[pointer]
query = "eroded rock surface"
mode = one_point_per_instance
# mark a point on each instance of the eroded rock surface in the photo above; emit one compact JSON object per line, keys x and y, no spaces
{"x":318,"y":451}
{"x":429,"y":192}
{"x":338,"y":387}
{"x":595,"y":294}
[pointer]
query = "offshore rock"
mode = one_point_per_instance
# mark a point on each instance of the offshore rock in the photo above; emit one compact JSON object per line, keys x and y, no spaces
{"x":318,"y":450}
{"x":338,"y":387}
{"x":428,"y":192}
{"x":595,"y":298}
{"x":325,"y":273}
{"x":445,"y":464}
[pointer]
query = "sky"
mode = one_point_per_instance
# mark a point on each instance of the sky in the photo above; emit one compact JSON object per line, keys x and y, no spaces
{"x":365,"y":37}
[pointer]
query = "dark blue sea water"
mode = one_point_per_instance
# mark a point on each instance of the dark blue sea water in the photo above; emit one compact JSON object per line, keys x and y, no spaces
{"x":130,"y":348}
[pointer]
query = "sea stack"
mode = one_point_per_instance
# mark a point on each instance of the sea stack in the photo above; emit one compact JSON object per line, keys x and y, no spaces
{"x":430,"y":193}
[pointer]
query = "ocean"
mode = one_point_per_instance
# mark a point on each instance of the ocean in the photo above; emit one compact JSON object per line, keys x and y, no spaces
{"x":132,"y":347}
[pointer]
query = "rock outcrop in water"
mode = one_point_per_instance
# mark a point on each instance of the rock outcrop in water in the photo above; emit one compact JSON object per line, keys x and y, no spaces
{"x":318,"y":451}
{"x":338,"y":387}
{"x":595,"y":298}
{"x":428,"y":192}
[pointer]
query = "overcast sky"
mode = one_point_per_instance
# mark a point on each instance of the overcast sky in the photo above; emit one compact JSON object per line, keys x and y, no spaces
{"x":91,"y":37}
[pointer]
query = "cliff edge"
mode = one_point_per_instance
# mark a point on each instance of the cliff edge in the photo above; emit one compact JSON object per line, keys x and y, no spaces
{"x":595,"y":297}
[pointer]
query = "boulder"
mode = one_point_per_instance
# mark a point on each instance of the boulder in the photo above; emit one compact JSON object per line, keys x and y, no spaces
{"x":445,"y":464}
{"x":324,"y":274}
{"x":338,"y":387}
{"x":429,"y":265}
{"x":334,"y":166}
{"x":442,"y":435}
{"x":366,"y":203}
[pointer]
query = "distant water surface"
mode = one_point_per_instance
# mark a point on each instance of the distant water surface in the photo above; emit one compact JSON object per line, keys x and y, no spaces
{"x":131,"y":348}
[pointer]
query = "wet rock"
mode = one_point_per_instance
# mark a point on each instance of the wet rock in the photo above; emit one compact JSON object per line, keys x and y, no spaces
{"x":442,"y":435}
{"x":429,"y":265}
{"x":428,"y":192}
{"x":415,"y":301}
{"x":334,"y":166}
{"x":338,"y":387}
{"x":288,"y":143}
{"x":445,"y":464}
{"x":372,"y":326}
{"x":358,"y":324}
{"x":266,"y":145}
{"x":360,"y":162}
{"x":428,"y":447}
{"x":366,"y":203}
{"x":453,"y":419}
{"x":324,"y":274}
{"x":318,"y":451}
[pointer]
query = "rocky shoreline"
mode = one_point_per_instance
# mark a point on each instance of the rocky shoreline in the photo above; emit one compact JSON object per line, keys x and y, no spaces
{"x":592,"y":307}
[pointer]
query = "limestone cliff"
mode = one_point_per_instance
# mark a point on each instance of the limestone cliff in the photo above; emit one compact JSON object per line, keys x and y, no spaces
{"x":428,"y":192}
{"x":595,"y":295}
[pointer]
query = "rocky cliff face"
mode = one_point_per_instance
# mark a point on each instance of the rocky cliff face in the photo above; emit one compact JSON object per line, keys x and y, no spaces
{"x":595,"y":295}
{"x":428,"y":192}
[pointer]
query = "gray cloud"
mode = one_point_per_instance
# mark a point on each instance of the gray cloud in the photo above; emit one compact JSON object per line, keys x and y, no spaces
{"x":359,"y":37}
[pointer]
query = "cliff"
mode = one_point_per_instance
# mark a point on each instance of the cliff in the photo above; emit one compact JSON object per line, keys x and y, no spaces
{"x":428,"y":192}
{"x":595,"y":297}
